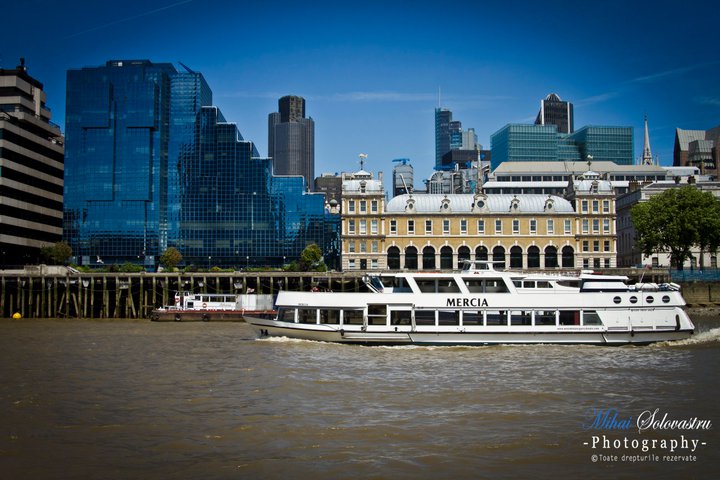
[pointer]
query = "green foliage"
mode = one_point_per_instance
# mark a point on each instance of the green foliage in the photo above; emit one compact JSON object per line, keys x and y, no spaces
{"x":677,"y":220}
{"x":57,"y":253}
{"x":311,"y":259}
{"x":170,"y":258}
{"x":130,"y":268}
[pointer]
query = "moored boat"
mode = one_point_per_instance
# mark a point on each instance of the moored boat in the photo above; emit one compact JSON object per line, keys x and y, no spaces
{"x":205,"y":307}
{"x":480,"y":305}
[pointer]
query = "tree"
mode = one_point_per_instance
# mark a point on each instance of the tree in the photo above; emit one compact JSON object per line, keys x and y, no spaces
{"x":57,"y":253}
{"x":170,"y":258}
{"x":677,"y":220}
{"x":311,"y":259}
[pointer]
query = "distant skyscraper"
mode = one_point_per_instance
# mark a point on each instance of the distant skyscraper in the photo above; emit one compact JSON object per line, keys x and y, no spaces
{"x":443,"y":118}
{"x":291,"y":139}
{"x":554,"y":111}
{"x":127,"y":123}
{"x":31,"y":173}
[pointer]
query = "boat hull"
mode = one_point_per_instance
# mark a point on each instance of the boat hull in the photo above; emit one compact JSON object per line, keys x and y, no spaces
{"x":328,"y":333}
{"x":206,"y":315}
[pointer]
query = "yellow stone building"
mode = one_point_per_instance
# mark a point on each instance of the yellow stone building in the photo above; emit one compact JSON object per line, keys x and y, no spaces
{"x":438,"y":232}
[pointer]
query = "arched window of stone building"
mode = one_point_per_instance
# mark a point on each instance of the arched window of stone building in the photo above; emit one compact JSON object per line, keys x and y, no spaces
{"x":463,"y":254}
{"x":446,"y":258}
{"x":551,"y":260}
{"x":499,"y":256}
{"x":411,"y":258}
{"x":393,"y":258}
{"x":516,"y":260}
{"x":568,"y":257}
{"x":533,"y":254}
{"x":481,"y":253}
{"x":428,"y":258}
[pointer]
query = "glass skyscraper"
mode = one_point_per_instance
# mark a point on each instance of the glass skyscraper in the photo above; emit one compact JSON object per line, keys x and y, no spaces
{"x":151,"y":164}
{"x":126,"y":123}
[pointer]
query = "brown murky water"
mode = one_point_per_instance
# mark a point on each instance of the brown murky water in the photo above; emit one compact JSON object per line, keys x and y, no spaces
{"x":134,"y":399}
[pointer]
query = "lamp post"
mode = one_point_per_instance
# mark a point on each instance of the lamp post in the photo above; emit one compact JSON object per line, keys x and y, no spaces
{"x":209,"y":258}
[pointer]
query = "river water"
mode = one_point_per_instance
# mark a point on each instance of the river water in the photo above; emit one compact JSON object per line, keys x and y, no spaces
{"x":136,"y":399}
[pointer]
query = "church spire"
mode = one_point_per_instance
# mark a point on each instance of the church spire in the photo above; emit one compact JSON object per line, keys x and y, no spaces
{"x":647,"y":158}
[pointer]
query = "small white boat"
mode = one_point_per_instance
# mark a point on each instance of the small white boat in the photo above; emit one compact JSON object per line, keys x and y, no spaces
{"x":480,"y":306}
{"x":205,"y":307}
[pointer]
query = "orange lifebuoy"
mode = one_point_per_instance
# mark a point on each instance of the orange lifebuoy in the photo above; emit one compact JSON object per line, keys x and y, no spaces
{"x":204,"y":305}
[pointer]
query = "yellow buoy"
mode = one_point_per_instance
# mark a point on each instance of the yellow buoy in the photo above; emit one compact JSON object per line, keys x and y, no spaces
{"x":17,"y":316}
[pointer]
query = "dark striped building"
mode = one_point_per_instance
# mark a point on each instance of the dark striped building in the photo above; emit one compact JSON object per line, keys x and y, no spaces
{"x":31,"y":170}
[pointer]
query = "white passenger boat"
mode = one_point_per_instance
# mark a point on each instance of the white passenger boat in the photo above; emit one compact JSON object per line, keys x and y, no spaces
{"x":481,"y":305}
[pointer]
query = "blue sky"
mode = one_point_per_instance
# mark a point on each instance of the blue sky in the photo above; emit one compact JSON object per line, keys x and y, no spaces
{"x":371,"y":72}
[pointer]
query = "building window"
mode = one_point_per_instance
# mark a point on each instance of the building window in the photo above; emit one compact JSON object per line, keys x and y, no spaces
{"x":585,"y":245}
{"x":550,"y":227}
{"x":411,"y":227}
{"x":363,"y":206}
{"x":363,"y":227}
{"x":596,"y":245}
{"x":374,"y":206}
{"x":586,"y":263}
{"x":428,"y":227}
{"x":363,"y":247}
{"x":463,"y":226}
{"x":584,"y":206}
{"x":351,"y":264}
{"x":585,"y":225}
{"x":533,"y":226}
{"x":373,"y":227}
{"x":351,"y":206}
{"x":351,"y":227}
{"x":606,"y":245}
{"x":351,"y":246}
{"x":374,"y":246}
{"x":446,"y":226}
{"x":568,"y":227}
{"x":516,"y":226}
{"x":606,"y":225}
{"x":606,"y":206}
{"x":374,"y":264}
{"x":393,"y":227}
{"x":481,"y":227}
{"x":596,"y":206}
{"x":596,"y":225}
{"x":607,"y":263}
{"x":498,"y":226}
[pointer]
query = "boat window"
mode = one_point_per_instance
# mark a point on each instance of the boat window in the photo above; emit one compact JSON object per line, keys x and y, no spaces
{"x":545,"y":317}
{"x":330,"y":317}
{"x":569,"y":317}
{"x":377,"y":314}
{"x":544,"y":284}
{"x":517,"y":283}
{"x":495,"y":317}
{"x":495,"y":285}
{"x":426,"y":285}
{"x":590,"y":317}
{"x":529,"y":284}
{"x":665,"y":299}
{"x":649,"y":299}
{"x":633,"y":299}
{"x":448,"y":285}
{"x":400,"y":317}
{"x":448,"y":317}
{"x":474,"y":285}
{"x":286,"y":315}
{"x":307,"y":315}
{"x":520,"y":318}
{"x":569,"y":283}
{"x":472,"y":318}
{"x":617,"y":299}
{"x":424,"y":317}
{"x":352,"y":317}
{"x":190,"y":305}
{"x":399,"y":285}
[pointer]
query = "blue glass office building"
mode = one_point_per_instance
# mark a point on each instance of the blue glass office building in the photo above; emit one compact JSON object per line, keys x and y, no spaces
{"x":543,"y":143}
{"x":151,"y":164}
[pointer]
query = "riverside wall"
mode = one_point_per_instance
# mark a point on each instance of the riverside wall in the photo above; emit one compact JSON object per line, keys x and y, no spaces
{"x":46,"y":292}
